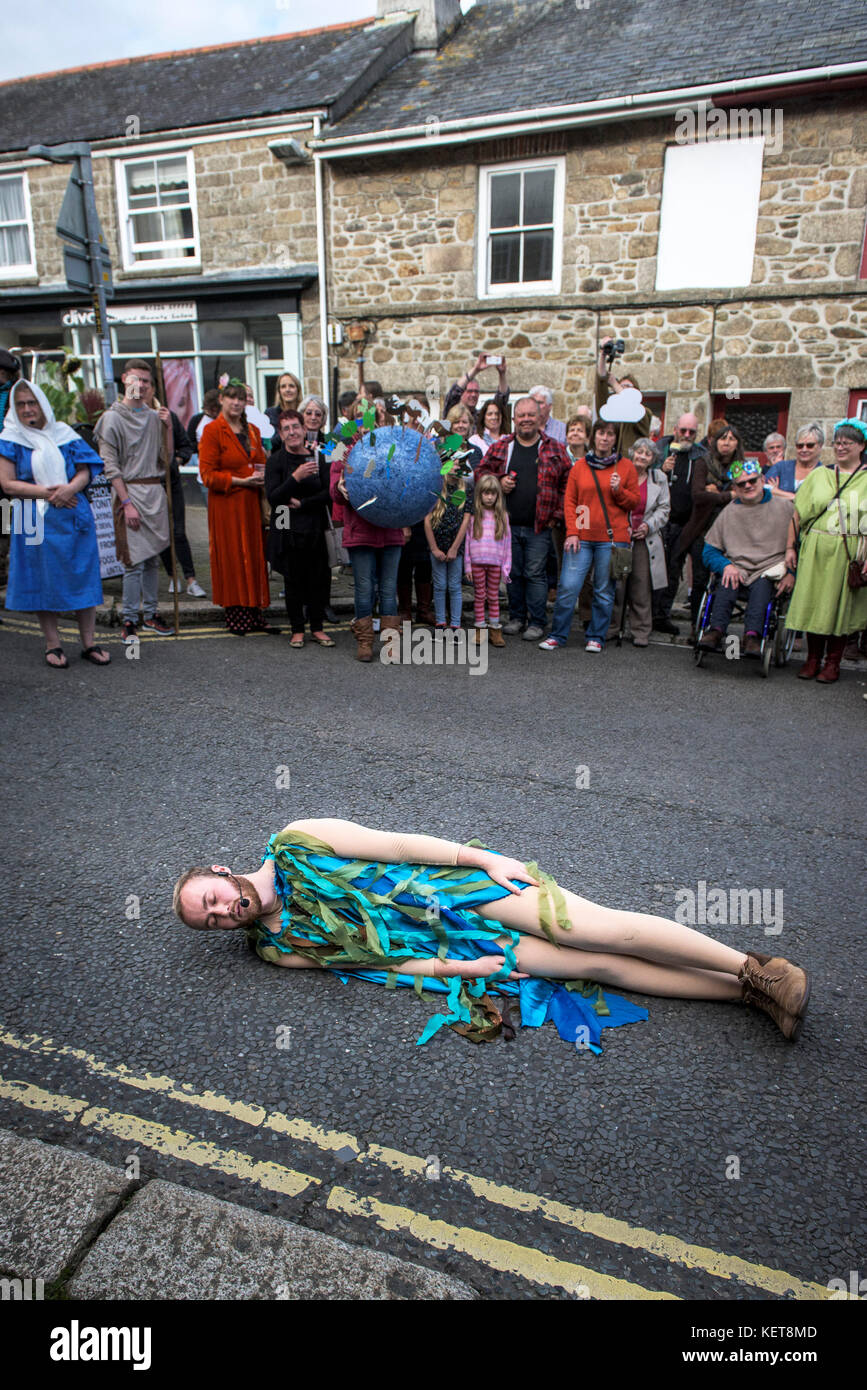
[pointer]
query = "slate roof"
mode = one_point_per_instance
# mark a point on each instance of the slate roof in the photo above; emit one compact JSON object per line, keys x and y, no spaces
{"x":509,"y":56}
{"x":320,"y":68}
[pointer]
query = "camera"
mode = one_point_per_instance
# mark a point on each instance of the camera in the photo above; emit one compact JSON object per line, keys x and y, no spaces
{"x":614,"y":349}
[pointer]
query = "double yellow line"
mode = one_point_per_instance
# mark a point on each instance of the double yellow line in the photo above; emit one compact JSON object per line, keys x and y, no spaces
{"x":484,"y":1249}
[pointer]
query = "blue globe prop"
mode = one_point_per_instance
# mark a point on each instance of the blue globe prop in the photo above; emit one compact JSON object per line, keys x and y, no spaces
{"x":393,"y":476}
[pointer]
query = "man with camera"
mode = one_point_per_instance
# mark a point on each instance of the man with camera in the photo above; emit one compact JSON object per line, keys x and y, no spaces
{"x":466,"y":390}
{"x":608,"y":385}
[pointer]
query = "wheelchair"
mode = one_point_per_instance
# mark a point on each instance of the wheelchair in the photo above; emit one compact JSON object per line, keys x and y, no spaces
{"x":777,"y":641}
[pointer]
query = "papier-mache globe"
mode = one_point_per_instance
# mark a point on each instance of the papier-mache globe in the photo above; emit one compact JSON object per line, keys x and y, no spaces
{"x":393,"y":476}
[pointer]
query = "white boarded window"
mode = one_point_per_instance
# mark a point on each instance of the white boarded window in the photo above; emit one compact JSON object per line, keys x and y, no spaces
{"x":710,"y":207}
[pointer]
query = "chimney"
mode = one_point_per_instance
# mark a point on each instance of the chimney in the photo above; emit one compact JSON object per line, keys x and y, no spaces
{"x":434,"y":19}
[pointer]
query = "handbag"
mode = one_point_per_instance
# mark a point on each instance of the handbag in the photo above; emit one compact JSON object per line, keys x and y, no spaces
{"x":621,"y":556}
{"x":337,"y":552}
{"x":855,"y":577}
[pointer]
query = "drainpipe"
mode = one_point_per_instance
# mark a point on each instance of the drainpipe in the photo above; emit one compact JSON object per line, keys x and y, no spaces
{"x":322,"y":264}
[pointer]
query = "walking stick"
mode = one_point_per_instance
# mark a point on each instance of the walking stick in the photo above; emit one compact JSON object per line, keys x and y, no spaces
{"x":161,"y":388}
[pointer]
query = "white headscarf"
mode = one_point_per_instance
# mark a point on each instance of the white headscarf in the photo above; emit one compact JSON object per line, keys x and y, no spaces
{"x":47,"y":463}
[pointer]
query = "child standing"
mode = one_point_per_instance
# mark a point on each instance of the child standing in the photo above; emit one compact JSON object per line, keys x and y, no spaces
{"x":445,"y":528}
{"x":488,"y":554}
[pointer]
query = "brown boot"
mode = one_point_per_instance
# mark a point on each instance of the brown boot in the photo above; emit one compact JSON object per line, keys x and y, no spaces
{"x":495,"y":637}
{"x":815,"y":650}
{"x":404,"y":602}
{"x":391,"y":622}
{"x":831,"y":669}
{"x":363,"y":629}
{"x":424,"y":609}
{"x":778,"y":988}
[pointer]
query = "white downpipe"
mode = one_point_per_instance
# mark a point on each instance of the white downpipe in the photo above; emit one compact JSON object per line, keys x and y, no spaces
{"x":322,"y":266}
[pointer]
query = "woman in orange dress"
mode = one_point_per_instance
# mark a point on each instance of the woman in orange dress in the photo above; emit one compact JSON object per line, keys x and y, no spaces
{"x":232,"y":465}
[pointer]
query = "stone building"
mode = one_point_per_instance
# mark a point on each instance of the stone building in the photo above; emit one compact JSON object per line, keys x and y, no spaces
{"x":206,"y":195}
{"x":522,"y":179}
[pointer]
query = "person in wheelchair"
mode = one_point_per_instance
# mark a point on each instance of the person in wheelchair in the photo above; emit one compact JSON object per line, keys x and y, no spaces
{"x":747,"y":540}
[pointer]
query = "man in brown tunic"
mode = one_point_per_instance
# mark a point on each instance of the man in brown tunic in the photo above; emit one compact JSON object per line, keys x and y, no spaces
{"x":133,"y":441}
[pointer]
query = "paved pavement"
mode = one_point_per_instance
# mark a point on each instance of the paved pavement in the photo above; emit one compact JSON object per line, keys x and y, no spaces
{"x":699,"y":1157}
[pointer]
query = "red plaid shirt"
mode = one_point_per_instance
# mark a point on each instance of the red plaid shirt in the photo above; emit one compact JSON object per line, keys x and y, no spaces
{"x":554,"y":467}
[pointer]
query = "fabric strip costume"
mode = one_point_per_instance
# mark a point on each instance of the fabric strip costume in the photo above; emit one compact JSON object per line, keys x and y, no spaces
{"x":361,"y":919}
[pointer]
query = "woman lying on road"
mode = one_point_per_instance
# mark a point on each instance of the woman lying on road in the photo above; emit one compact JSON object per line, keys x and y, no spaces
{"x":335,"y":895}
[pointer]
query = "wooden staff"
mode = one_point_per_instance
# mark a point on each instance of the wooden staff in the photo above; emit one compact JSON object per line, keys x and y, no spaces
{"x":161,"y":391}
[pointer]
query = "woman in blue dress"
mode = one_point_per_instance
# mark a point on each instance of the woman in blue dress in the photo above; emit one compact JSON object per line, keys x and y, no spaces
{"x":53,"y":558}
{"x":461,"y":919}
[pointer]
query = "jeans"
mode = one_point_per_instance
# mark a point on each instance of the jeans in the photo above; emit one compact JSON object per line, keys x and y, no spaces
{"x":576,"y":567}
{"x":528,"y":582}
{"x":141,"y":589}
{"x":372,"y":566}
{"x":758,"y":595}
{"x":447,"y":576}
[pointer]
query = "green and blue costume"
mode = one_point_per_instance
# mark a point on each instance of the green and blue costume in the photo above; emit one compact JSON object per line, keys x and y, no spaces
{"x":361,"y":919}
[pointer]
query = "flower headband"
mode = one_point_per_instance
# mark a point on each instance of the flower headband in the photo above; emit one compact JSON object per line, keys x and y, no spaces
{"x":750,"y":467}
{"x":855,"y":425}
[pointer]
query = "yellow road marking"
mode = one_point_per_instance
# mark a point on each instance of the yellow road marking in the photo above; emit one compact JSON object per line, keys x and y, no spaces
{"x":173,"y":1143}
{"x":667,"y":1247}
{"x":190,"y":634}
{"x":498,"y":1254}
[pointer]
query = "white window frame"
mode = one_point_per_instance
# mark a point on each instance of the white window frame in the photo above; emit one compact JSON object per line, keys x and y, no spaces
{"x":531,"y":287}
{"x":20,"y":272}
{"x":130,"y":261}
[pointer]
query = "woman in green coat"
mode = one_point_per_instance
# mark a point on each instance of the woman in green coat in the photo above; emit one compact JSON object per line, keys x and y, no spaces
{"x":830,"y":517}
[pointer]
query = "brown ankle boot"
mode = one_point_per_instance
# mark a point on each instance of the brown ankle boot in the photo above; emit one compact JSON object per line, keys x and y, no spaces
{"x":390,"y":622}
{"x":363,"y":630}
{"x":815,"y":650}
{"x":831,"y":669}
{"x":424,"y":609}
{"x":495,"y":637}
{"x":778,"y":988}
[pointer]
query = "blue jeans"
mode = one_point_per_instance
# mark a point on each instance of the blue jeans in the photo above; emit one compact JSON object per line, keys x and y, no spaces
{"x":576,"y":567}
{"x":528,"y":582}
{"x":447,"y":576}
{"x":372,"y":567}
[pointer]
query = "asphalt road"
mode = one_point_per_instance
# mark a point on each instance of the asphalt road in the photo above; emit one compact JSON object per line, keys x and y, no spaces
{"x":118,"y":779}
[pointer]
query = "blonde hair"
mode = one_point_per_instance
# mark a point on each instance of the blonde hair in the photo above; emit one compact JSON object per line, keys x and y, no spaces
{"x":450,"y":484}
{"x":459,"y":412}
{"x":489,"y":482}
{"x":292,"y":377}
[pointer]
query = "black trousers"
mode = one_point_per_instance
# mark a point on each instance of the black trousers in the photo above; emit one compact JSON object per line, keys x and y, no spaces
{"x":183,"y":554}
{"x":305,"y":569}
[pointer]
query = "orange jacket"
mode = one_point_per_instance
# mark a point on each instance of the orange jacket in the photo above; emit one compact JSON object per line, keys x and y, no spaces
{"x":582,"y":509}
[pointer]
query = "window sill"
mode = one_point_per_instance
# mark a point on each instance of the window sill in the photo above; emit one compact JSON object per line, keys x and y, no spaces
{"x":149,"y":269}
{"x":18,"y":277}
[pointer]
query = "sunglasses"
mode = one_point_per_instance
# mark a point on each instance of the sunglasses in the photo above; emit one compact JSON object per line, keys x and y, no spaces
{"x":748,"y":481}
{"x":689,"y":431}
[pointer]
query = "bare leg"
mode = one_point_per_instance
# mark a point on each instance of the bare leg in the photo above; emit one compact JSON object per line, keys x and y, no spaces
{"x":603,"y":930}
{"x":48,"y":623}
{"x":626,"y":972}
{"x":86,"y":627}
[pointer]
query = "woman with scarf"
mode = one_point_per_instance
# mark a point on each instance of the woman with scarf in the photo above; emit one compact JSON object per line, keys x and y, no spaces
{"x":54,"y":559}
{"x":711,"y":491}
{"x":232,"y":465}
{"x":600,"y":493}
{"x":827,"y":552}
